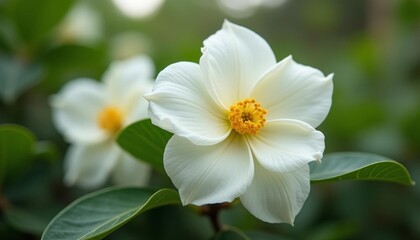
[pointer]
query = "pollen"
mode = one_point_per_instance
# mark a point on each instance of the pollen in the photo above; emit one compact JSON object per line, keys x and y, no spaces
{"x":110,"y":119}
{"x":247,"y":116}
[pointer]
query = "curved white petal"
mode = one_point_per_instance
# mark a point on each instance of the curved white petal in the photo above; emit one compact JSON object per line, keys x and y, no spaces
{"x":287,"y":145}
{"x":130,"y":172}
{"x":76,"y":108}
{"x":277,"y":197}
{"x":128,"y":80}
{"x":135,"y":105}
{"x":233,"y":61}
{"x":180,"y":104}
{"x":89,"y":166}
{"x":294,"y":91}
{"x":209,"y":174}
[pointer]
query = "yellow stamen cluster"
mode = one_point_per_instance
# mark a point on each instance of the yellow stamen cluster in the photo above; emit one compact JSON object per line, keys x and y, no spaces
{"x":110,"y":119}
{"x":247,"y":116}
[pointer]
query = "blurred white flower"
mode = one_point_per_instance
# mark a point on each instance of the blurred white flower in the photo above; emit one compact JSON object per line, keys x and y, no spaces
{"x":246,"y":8}
{"x":81,"y":25}
{"x":128,"y":44}
{"x":244,"y":125}
{"x":89,"y":114}
{"x":138,"y":8}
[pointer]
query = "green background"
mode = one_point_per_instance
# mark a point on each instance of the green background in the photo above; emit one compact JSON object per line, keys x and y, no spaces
{"x":372,"y":47}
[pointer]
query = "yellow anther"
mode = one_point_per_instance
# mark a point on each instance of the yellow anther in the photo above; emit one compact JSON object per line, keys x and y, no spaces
{"x":110,"y":119}
{"x":247,"y":116}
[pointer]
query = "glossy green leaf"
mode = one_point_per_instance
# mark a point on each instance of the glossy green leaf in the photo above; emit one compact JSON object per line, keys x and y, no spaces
{"x":359,"y":166}
{"x":146,"y":142}
{"x":16,"y":149}
{"x":96,"y":215}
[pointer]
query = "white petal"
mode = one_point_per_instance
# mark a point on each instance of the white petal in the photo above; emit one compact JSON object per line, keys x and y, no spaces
{"x":89,"y":166}
{"x":277,"y":197}
{"x":233,"y":61}
{"x":209,"y":174}
{"x":128,"y":80}
{"x":76,"y":108}
{"x":286,"y":145}
{"x":180,"y":104}
{"x":136,"y":105}
{"x":294,"y":91}
{"x":131,"y":172}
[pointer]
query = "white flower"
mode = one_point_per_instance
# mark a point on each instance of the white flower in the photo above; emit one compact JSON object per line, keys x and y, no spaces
{"x":81,"y":25}
{"x":89,"y":114}
{"x":243,"y":125}
{"x":138,"y":9}
{"x":246,"y":8}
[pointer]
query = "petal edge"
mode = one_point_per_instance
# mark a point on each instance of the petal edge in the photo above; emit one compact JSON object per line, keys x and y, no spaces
{"x":294,"y":91}
{"x":277,"y":197}
{"x":209,"y":174}
{"x":179,"y":103}
{"x":286,"y":145}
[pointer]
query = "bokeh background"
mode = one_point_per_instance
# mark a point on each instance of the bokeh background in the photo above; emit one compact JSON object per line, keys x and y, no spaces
{"x":372,"y":47}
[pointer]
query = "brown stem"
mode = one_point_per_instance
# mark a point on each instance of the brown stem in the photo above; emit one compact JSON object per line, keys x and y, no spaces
{"x":212,"y":212}
{"x":4,"y":203}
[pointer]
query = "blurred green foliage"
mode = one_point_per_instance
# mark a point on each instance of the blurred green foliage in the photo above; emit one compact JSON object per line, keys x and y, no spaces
{"x":17,"y":146}
{"x":372,"y":47}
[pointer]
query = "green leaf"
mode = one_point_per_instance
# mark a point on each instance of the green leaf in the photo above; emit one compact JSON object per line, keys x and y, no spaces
{"x":259,"y":235}
{"x":34,"y":19}
{"x":68,"y":62}
{"x":45,"y":150}
{"x":233,"y":233}
{"x":32,"y":221}
{"x":16,"y":149}
{"x":338,"y":229}
{"x":8,"y":37}
{"x":146,"y":142}
{"x":230,"y":233}
{"x":17,"y":75}
{"x":359,"y":166}
{"x":96,"y":215}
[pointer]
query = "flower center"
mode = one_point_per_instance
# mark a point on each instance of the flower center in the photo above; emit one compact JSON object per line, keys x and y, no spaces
{"x":110,"y":119}
{"x":247,"y":116}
